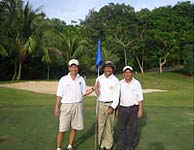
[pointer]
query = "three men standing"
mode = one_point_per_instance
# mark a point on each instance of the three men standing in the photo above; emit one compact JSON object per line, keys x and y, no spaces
{"x":109,"y":91}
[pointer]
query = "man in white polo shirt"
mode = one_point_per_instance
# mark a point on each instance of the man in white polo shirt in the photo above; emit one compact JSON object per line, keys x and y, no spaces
{"x":107,"y":91}
{"x":71,"y":89}
{"x":130,"y":109}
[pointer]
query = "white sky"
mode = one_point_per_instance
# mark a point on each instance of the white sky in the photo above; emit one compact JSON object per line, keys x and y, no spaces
{"x":68,"y":10}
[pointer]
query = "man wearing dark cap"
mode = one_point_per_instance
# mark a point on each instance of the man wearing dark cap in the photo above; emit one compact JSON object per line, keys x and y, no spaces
{"x":70,"y":92}
{"x":107,"y":91}
{"x":130,"y":109}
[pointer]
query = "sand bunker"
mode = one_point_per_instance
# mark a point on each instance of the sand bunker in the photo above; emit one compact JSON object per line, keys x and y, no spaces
{"x":49,"y":87}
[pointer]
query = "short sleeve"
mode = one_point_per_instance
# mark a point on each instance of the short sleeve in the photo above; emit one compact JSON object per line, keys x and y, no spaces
{"x":83,"y":86}
{"x":60,"y":88}
{"x":140,"y":93}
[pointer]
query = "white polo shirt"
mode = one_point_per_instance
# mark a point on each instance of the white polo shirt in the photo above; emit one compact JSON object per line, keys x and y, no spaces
{"x":71,"y":91}
{"x":131,"y":93}
{"x":109,"y":89}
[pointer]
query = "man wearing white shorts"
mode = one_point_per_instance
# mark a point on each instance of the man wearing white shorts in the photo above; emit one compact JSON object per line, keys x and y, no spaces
{"x":70,"y":92}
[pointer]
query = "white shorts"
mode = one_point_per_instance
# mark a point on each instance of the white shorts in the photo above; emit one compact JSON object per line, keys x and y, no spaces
{"x":71,"y":115}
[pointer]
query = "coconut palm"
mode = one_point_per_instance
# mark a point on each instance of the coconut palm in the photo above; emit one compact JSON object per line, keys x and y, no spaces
{"x":49,"y":42}
{"x":73,"y":43}
{"x":19,"y":21}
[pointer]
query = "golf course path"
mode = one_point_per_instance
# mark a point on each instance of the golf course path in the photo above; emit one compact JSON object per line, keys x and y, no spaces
{"x":49,"y":87}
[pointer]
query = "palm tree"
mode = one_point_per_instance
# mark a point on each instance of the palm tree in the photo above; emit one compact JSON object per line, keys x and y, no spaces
{"x":23,"y":49}
{"x":19,"y":21}
{"x":50,"y":55}
{"x":49,"y":42}
{"x":25,"y":42}
{"x":72,"y":44}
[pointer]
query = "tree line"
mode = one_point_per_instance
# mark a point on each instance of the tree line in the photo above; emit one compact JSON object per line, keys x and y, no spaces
{"x":35,"y":47}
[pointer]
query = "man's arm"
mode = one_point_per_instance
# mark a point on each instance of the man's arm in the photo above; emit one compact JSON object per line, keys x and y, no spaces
{"x":89,"y":91}
{"x":140,"y":111}
{"x":57,"y":104}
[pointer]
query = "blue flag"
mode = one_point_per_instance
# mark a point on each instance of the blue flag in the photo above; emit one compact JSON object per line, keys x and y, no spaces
{"x":98,"y":56}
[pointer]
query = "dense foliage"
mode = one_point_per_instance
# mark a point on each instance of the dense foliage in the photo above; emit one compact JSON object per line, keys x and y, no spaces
{"x":35,"y":47}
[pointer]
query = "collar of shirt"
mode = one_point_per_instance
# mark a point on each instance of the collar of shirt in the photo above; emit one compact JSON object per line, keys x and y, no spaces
{"x":132,"y":81}
{"x":108,"y":77}
{"x":77,"y":76}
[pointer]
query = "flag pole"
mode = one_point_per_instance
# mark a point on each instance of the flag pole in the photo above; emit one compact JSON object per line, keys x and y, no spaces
{"x":98,"y":71}
{"x":98,"y":63}
{"x":96,"y":124}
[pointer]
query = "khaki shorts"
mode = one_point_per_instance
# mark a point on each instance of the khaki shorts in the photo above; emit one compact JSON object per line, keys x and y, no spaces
{"x":71,"y":116}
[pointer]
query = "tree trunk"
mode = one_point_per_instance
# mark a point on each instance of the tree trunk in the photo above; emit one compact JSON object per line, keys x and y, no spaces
{"x":48,"y":72}
{"x":139,"y":64}
{"x":15,"y":71}
{"x":19,"y":71}
{"x":125,"y":54}
{"x":162,"y":63}
{"x":142,"y":65}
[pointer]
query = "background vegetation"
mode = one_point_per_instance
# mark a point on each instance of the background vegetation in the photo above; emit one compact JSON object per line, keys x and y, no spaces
{"x":35,"y":47}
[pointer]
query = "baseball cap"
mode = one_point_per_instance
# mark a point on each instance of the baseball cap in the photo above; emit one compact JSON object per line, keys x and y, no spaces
{"x":127,"y":67}
{"x":108,"y":63}
{"x":73,"y":62}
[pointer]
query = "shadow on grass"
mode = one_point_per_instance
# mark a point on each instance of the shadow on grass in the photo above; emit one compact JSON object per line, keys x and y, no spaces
{"x":156,"y":146}
{"x":3,"y":139}
{"x":116,"y":136}
{"x":141,"y":124}
{"x":84,"y":137}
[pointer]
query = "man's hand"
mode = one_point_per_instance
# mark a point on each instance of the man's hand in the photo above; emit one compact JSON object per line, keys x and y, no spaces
{"x":110,"y":110}
{"x":57,"y":112}
{"x":140,"y":110}
{"x":140,"y":114}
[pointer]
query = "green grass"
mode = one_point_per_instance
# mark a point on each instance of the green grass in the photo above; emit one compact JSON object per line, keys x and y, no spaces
{"x":27,"y":120}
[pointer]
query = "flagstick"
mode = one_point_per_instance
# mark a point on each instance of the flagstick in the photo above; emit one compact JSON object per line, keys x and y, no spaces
{"x":98,"y":63}
{"x":96,"y":124}
{"x":98,"y":71}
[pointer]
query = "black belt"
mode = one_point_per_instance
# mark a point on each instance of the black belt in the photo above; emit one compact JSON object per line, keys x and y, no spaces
{"x":129,"y":106}
{"x":106,"y":101}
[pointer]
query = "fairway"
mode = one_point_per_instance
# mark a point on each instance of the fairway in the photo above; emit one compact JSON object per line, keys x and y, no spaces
{"x":27,"y":119}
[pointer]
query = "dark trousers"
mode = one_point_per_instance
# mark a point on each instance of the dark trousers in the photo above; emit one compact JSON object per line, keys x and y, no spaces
{"x":128,"y":121}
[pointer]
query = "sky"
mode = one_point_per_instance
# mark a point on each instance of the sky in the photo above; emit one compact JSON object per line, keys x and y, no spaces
{"x":68,"y":10}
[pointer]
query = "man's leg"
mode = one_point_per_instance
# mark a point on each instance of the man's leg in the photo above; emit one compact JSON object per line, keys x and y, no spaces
{"x":72,"y":136}
{"x":108,"y":132}
{"x":60,"y":138}
{"x":123,"y":121}
{"x":133,"y":120}
{"x":101,"y":121}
